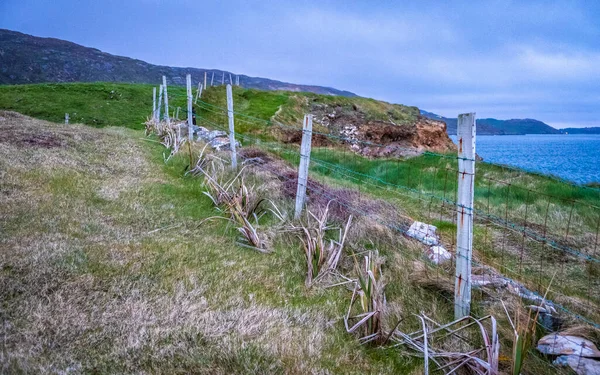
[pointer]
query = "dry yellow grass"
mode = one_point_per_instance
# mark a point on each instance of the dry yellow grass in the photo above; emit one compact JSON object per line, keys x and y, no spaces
{"x":103,"y":269}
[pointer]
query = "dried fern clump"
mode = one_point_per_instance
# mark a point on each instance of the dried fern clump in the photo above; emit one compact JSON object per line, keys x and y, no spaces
{"x":241,"y":205}
{"x":370,"y":295}
{"x":322,"y":254}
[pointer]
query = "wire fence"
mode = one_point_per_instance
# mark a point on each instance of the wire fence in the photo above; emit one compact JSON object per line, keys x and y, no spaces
{"x":535,"y":235}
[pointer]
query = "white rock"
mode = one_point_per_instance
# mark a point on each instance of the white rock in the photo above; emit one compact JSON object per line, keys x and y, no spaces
{"x":423,"y":232}
{"x":438,"y":255}
{"x":581,"y":365}
{"x":557,"y":344}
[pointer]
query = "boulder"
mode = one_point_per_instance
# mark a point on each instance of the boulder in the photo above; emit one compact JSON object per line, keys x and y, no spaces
{"x":581,"y":365}
{"x":438,"y":255}
{"x":557,"y":344}
{"x":424,"y":233}
{"x":208,"y":135}
{"x":221,"y":143}
{"x":493,"y":281}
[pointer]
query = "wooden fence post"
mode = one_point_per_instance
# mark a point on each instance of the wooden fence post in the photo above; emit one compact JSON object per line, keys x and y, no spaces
{"x":304,"y":164}
{"x":154,"y":103}
{"x":223,"y":79}
{"x":198,"y":93}
{"x":66,"y":118}
{"x":466,"y":131}
{"x":166,"y":97}
{"x":204,"y":79}
{"x":237,"y":80}
{"x":176,"y":115}
{"x":231,"y":127}
{"x":190,"y":121}
{"x":230,"y":79}
{"x":212,"y":79}
{"x":160,"y":99}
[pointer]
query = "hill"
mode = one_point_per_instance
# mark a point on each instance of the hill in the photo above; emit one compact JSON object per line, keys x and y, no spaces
{"x":353,"y":118}
{"x":30,"y":59}
{"x":491,"y":126}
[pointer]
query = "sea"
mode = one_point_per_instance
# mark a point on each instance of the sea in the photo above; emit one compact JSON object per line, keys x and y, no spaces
{"x":573,"y":157}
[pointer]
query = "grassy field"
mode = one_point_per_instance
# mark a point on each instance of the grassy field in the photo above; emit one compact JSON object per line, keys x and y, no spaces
{"x":119,"y":104}
{"x":94,"y":104}
{"x":105,"y":267}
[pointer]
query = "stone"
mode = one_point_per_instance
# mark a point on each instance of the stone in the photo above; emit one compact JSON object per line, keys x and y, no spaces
{"x":208,"y":135}
{"x":221,"y":143}
{"x":488,"y":280}
{"x":557,"y":344}
{"x":581,"y":365}
{"x":424,"y":233}
{"x":438,"y":255}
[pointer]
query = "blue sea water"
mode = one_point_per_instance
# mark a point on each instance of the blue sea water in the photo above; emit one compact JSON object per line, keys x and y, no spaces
{"x":573,"y":157}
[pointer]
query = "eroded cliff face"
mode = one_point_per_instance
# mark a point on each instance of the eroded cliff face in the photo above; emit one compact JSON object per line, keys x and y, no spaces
{"x":377,"y":138}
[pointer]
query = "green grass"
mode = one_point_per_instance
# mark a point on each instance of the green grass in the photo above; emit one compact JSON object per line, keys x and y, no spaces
{"x":78,"y":203}
{"x":95,"y":104}
{"x":106,"y":268}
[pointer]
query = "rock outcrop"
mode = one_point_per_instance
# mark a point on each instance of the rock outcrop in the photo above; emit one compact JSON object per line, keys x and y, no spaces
{"x":379,"y":138}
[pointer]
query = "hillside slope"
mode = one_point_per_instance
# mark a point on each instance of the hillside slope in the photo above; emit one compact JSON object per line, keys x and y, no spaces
{"x":354,"y":119}
{"x":113,"y":272}
{"x":30,"y":59}
{"x":492,"y":126}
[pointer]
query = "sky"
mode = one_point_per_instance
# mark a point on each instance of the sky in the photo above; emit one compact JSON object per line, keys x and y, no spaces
{"x":502,"y":59}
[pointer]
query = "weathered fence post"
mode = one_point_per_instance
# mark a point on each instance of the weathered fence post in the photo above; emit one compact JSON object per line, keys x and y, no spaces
{"x":231,"y":127}
{"x":66,"y":118}
{"x":223,"y":79}
{"x":464,"y":232}
{"x":154,"y":103}
{"x":176,"y":115}
{"x":212,"y":79}
{"x":204,"y":79}
{"x":198,"y":93}
{"x":160,"y":99}
{"x":230,"y":79}
{"x":190,"y":121}
{"x":304,"y":163}
{"x":237,"y":80}
{"x":166,"y":101}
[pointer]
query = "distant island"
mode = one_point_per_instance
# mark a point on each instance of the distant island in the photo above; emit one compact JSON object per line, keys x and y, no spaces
{"x":592,"y":130}
{"x":492,"y":126}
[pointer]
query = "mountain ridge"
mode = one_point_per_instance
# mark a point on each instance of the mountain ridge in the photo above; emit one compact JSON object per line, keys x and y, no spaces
{"x":27,"y":59}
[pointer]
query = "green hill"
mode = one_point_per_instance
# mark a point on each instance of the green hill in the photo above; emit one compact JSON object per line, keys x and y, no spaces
{"x":121,"y":104}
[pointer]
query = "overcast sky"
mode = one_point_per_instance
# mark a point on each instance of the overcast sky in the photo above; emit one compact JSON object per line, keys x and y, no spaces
{"x":502,"y":59}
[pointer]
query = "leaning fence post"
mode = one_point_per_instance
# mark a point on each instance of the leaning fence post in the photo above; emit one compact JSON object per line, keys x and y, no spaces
{"x":66,"y":118}
{"x":160,"y":99}
{"x":166,"y":101}
{"x":464,"y":209}
{"x":304,"y":163}
{"x":223,"y":79}
{"x":198,"y":93}
{"x":190,"y":122}
{"x":204,"y":79}
{"x":231,"y":127}
{"x":154,"y":103}
{"x":212,"y":78}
